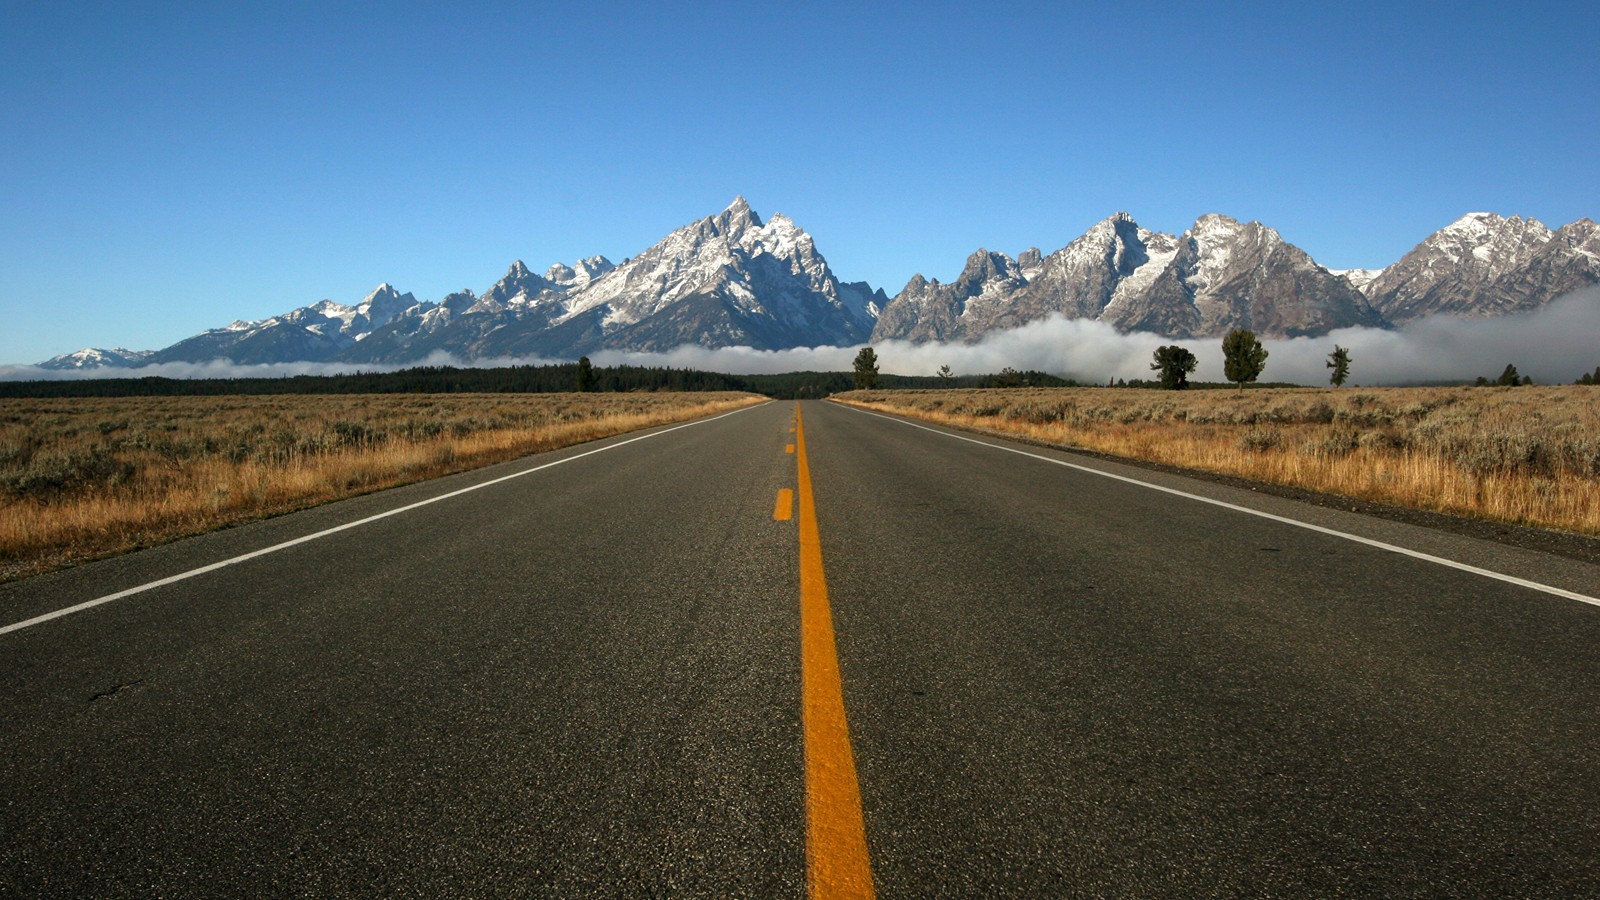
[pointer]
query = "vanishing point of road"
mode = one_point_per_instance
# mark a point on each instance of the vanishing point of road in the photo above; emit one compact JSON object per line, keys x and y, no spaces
{"x":802,"y":647}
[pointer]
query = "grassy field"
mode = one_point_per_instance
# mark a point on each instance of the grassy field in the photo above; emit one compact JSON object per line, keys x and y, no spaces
{"x":1529,"y":455}
{"x":81,"y":478}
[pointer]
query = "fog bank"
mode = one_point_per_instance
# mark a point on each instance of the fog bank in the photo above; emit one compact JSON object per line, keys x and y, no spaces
{"x":1555,"y":345}
{"x":221,"y":368}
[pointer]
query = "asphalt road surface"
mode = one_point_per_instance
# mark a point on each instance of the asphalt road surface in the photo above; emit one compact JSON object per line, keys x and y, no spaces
{"x":586,"y":680}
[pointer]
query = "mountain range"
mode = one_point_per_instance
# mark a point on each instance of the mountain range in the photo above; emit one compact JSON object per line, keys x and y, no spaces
{"x":734,"y":280}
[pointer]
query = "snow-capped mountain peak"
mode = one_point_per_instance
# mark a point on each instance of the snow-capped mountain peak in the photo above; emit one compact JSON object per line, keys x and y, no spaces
{"x":580,"y":273}
{"x":518,"y":287}
{"x":986,"y":272}
{"x":733,"y":279}
{"x":1358,"y":278}
{"x":1489,"y":239}
{"x":736,"y":218}
{"x":1221,"y":273}
{"x":1487,"y":264}
{"x":383,"y":304}
{"x":97,"y":358}
{"x":1031,"y":263}
{"x":750,"y":276}
{"x":1581,"y":237}
{"x":778,"y":235}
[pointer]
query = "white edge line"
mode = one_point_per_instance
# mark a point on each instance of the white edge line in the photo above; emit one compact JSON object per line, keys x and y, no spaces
{"x":1392,"y":548}
{"x":182,"y":576}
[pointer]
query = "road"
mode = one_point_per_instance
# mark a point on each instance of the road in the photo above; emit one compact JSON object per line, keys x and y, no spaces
{"x":587,"y":679}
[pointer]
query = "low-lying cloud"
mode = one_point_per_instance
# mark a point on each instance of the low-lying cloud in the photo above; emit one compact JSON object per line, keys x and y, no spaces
{"x":221,"y":368}
{"x":1555,"y":344}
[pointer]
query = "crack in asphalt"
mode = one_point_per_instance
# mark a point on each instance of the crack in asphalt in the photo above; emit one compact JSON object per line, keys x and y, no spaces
{"x":101,"y":695}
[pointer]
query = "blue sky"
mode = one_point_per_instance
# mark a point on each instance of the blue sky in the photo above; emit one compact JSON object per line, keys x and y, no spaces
{"x":172,"y":168}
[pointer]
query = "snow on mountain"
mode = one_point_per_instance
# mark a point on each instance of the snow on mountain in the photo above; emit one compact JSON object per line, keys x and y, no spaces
{"x":728,"y":279}
{"x":97,"y":358}
{"x":1083,"y":279}
{"x":1031,"y":262}
{"x":1214,"y":238}
{"x":580,"y":273}
{"x":1228,"y":274}
{"x":337,"y":321}
{"x":1159,"y":250}
{"x":380,"y":307}
{"x":747,"y":281}
{"x":734,"y":279}
{"x":1219,"y":275}
{"x":310,"y":333}
{"x":518,"y":289}
{"x":1484,"y":264}
{"x":1358,"y":278}
{"x":963,"y":309}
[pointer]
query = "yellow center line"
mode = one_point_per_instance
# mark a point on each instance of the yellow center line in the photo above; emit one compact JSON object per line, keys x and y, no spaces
{"x":836,"y":834}
{"x":788,"y":448}
{"x":785,"y":508}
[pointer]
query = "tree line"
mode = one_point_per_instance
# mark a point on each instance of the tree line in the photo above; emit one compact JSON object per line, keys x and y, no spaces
{"x":581,"y":375}
{"x":1244,"y":362}
{"x":419,"y":380}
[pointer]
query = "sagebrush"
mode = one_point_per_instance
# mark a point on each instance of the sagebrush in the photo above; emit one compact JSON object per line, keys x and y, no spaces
{"x":1529,"y":455}
{"x":85,"y":477}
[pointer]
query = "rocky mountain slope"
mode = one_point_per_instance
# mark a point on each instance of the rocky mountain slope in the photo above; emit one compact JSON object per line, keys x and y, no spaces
{"x":1218,"y":275}
{"x":732,"y":279}
{"x":1486,"y":265}
{"x":97,"y":358}
{"x":315,"y":332}
{"x":724,"y":280}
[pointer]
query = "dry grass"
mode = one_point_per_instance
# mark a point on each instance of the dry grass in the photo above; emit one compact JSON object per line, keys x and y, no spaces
{"x":83,"y":478}
{"x":1529,"y":455}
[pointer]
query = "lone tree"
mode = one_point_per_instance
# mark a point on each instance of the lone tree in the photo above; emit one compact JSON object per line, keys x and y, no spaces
{"x":1339,"y":362}
{"x":585,"y":374}
{"x":1243,"y":357}
{"x":1174,"y":363}
{"x":945,"y":374}
{"x":866,"y":369}
{"x":1510,"y":377}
